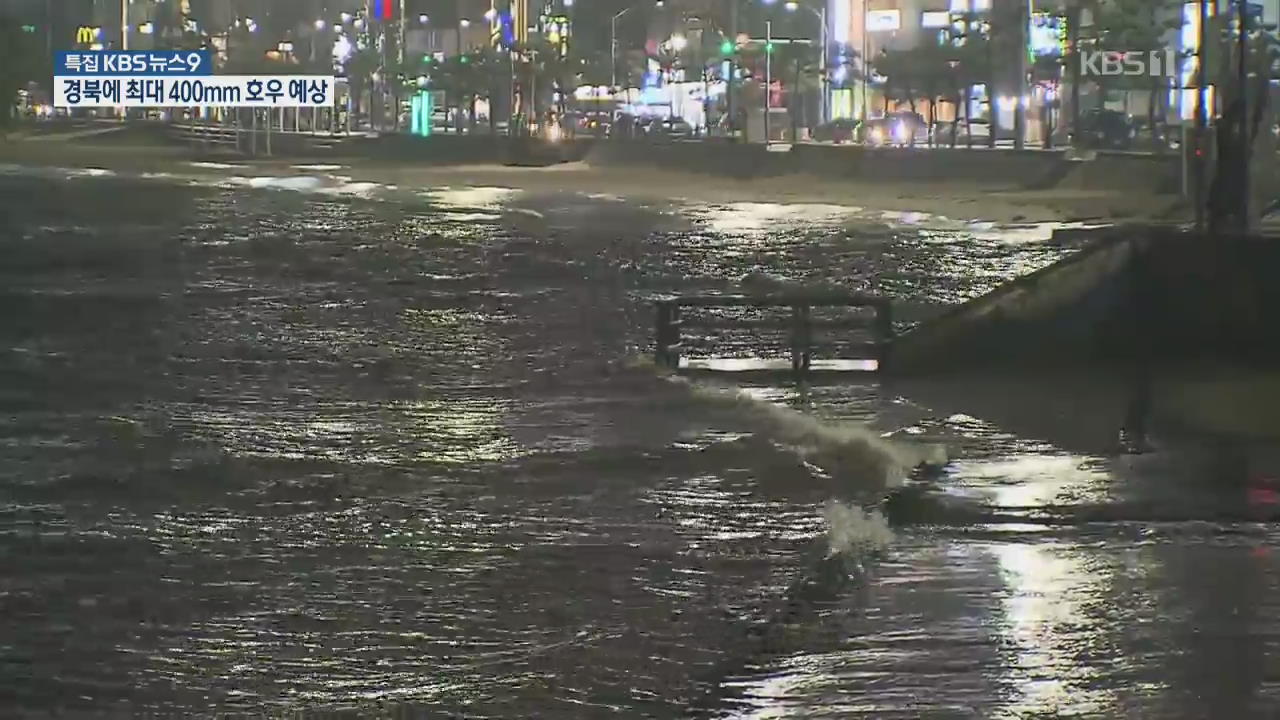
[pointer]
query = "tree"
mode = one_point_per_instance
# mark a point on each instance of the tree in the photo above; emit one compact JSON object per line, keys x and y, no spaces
{"x":1244,"y":132}
{"x":798,"y":65}
{"x":18,"y":49}
{"x":973,"y":54}
{"x":1136,"y":26}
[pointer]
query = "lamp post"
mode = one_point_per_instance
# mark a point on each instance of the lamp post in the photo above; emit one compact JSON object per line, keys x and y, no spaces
{"x":866,"y":65}
{"x":1202,"y":115}
{"x":768,"y":75}
{"x":613,"y":44}
{"x":613,"y":39}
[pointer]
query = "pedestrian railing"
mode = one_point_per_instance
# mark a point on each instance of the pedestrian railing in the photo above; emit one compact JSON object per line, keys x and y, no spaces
{"x":673,"y":321}
{"x":251,"y":140}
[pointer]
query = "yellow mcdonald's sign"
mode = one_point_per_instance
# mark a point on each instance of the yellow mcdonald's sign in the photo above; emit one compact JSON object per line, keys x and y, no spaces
{"x":86,"y":35}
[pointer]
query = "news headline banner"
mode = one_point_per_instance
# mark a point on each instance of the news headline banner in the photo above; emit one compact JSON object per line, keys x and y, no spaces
{"x":210,"y":90}
{"x":71,"y":63}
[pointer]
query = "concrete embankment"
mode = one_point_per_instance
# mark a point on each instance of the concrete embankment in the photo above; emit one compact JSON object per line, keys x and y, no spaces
{"x":922,"y":167}
{"x":978,"y":167}
{"x":1136,"y":297}
{"x":477,"y":149}
{"x":1145,"y":331}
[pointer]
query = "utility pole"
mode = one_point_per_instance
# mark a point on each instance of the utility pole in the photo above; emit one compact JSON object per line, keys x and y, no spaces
{"x":733,"y":66}
{"x":1020,"y":104}
{"x":768,"y":75}
{"x":825,"y":115}
{"x":1073,"y":40}
{"x":394,"y":77}
{"x":1244,"y":139}
{"x":1202,"y":115}
{"x":48,"y":28}
{"x":866,"y":67}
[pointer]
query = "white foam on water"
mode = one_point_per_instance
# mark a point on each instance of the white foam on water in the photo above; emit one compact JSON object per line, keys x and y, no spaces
{"x":471,"y":197}
{"x":215,"y":166}
{"x":297,"y":183}
{"x":91,"y":172}
{"x":854,"y":531}
{"x":357,"y":189}
{"x":57,"y":172}
{"x":760,"y":219}
{"x":852,"y":455}
{"x":1034,"y":232}
{"x":908,"y":217}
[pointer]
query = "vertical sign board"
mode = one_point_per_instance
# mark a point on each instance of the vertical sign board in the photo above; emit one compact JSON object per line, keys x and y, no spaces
{"x":420,"y":114}
{"x":382,"y":9}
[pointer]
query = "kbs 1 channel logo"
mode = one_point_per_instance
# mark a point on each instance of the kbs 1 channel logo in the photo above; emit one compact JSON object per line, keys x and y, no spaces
{"x":169,"y":78}
{"x":1150,"y":63}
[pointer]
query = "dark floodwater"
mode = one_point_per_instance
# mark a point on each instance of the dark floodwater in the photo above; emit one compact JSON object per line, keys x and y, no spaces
{"x":269,"y":451}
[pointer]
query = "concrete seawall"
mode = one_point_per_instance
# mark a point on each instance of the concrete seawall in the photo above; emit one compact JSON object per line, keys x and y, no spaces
{"x":464,"y":149}
{"x":1137,"y":297}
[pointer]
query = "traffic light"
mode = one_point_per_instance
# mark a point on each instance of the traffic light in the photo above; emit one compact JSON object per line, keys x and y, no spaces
{"x":726,"y":48}
{"x":768,"y":48}
{"x":28,"y":28}
{"x":464,"y":59}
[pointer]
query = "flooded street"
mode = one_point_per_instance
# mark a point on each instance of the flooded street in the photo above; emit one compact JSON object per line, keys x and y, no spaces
{"x":295,"y":444}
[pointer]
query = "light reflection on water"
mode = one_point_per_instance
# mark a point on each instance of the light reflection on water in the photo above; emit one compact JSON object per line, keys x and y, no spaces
{"x":284,"y":450}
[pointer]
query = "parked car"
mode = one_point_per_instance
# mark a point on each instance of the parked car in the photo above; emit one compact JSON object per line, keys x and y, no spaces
{"x":670,"y":129}
{"x":896,"y":129}
{"x":597,"y":124}
{"x":1107,"y":129}
{"x":837,"y":131}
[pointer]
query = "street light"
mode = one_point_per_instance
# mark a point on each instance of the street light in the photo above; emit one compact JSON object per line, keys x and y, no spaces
{"x":822,"y":45}
{"x":320,"y":25}
{"x":613,"y":38}
{"x":423,"y":19}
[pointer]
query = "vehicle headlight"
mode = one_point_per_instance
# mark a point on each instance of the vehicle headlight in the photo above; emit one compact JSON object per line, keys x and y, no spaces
{"x":900,"y":132}
{"x":877,"y":134}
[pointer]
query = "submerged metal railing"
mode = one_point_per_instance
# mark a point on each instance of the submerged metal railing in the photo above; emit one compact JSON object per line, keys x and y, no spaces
{"x":670,"y":322}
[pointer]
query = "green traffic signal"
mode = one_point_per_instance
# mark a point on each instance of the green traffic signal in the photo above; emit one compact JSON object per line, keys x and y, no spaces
{"x":726,"y":48}
{"x":28,"y":28}
{"x":768,"y":47}
{"x":464,"y":60}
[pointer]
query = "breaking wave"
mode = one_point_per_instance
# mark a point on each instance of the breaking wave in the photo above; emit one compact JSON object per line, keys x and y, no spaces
{"x":853,"y":455}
